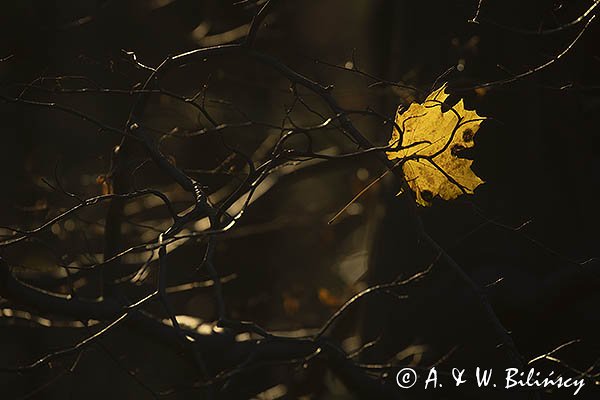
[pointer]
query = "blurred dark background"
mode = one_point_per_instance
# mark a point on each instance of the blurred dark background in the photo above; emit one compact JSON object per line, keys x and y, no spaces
{"x":528,"y":236}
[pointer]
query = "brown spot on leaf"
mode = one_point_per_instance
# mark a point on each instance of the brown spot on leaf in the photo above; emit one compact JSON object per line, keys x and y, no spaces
{"x":456,"y":149}
{"x":468,"y":135}
{"x":427,"y":195}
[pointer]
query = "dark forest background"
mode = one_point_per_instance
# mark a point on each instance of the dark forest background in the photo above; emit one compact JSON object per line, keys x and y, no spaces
{"x":528,"y":237}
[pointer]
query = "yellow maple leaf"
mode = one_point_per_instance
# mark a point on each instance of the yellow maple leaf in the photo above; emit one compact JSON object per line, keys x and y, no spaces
{"x":431,"y":138}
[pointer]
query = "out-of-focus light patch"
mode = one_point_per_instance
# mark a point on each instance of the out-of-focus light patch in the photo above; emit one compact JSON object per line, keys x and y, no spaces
{"x":460,"y":67}
{"x":201,"y":30}
{"x":70,"y":225}
{"x":276,"y":392}
{"x":132,"y":207}
{"x":225,"y":37}
{"x":353,"y":267}
{"x":303,"y":332}
{"x":145,"y":203}
{"x":329,"y":299}
{"x":202,"y":224}
{"x":205,"y":329}
{"x":473,"y":42}
{"x":189,"y":321}
{"x":481,"y":91}
{"x":415,"y":351}
{"x":148,"y":235}
{"x":88,"y":179}
{"x":349,"y":64}
{"x":354,"y":209}
{"x":160,"y":224}
{"x":243,"y":337}
{"x":351,"y":343}
{"x":335,"y":386}
{"x":56,"y":229}
{"x":152,"y":201}
{"x":39,"y":205}
{"x":57,"y":273}
{"x":45,"y":322}
{"x":7,"y":232}
{"x":360,"y":286}
{"x":362,"y":174}
{"x":291,"y":304}
{"x":140,"y":276}
{"x":217,"y":329}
